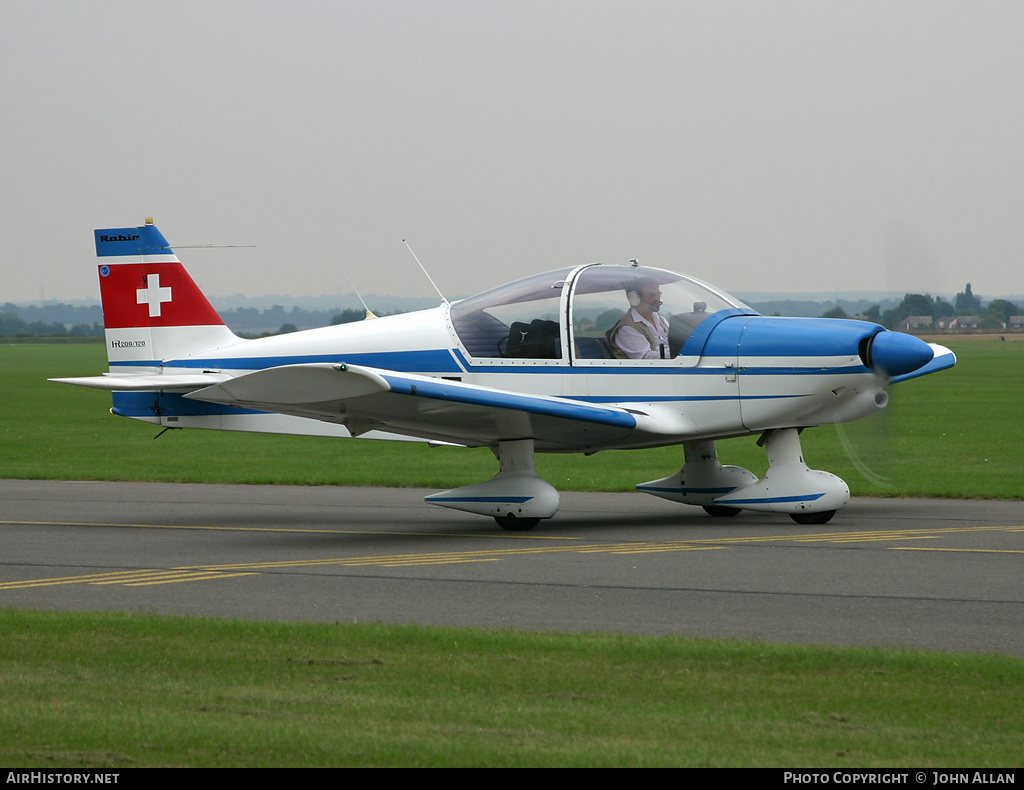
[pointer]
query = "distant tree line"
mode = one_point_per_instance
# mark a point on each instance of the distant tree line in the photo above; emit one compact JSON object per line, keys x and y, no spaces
{"x":13,"y":325}
{"x":251,"y":319}
{"x":346,"y":316}
{"x":994,"y":316}
{"x":277,"y":320}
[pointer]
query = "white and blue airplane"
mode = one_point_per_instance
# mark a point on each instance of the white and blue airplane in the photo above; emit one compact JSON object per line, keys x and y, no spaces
{"x":526,"y":367}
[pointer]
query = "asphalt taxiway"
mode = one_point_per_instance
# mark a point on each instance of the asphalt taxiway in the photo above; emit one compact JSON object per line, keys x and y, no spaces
{"x":915,"y":573}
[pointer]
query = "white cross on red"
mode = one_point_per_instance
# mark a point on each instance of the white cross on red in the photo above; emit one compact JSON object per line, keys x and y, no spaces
{"x":153,"y":294}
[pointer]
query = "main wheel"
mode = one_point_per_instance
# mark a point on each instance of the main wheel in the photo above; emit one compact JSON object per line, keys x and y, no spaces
{"x":721,"y":511}
{"x":512,"y":523}
{"x":813,"y":518}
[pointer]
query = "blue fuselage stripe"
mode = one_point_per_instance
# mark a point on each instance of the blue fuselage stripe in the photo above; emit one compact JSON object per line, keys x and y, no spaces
{"x":448,"y":361}
{"x":434,"y":361}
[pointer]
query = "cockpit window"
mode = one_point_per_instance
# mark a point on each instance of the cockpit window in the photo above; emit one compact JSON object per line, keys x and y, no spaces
{"x":601,"y":298}
{"x":518,"y":320}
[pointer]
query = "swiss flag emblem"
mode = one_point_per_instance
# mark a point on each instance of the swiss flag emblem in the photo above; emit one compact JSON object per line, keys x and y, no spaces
{"x":152,"y":294}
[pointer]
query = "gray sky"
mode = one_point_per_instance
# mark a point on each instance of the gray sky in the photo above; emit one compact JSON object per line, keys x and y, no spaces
{"x":762,"y":146}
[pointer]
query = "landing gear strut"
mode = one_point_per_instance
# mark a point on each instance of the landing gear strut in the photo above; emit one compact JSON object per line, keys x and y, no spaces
{"x":701,"y":480}
{"x":516,"y":497}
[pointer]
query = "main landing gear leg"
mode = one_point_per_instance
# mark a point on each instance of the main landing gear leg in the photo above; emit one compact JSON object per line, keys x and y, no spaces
{"x":701,"y":480}
{"x":516,"y":497}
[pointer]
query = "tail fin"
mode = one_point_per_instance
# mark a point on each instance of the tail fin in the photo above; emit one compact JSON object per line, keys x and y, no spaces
{"x":153,"y":311}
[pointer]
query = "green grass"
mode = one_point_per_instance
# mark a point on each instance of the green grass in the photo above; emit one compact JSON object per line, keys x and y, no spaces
{"x":129,"y":690}
{"x":953,"y":434}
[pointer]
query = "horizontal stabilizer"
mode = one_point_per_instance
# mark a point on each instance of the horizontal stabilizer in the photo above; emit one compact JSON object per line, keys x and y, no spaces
{"x":142,"y":382}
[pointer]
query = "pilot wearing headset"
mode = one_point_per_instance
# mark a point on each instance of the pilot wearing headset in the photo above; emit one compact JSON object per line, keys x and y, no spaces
{"x":642,"y":333}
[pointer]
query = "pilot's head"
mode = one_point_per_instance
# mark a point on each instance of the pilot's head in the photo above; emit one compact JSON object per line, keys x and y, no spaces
{"x":644,"y":292}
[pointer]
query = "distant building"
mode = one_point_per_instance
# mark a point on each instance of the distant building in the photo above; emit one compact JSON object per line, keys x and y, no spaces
{"x":968,"y":321}
{"x":916,"y":322}
{"x":1016,"y":322}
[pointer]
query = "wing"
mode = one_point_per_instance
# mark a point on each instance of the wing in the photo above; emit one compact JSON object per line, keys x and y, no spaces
{"x":365,"y":399}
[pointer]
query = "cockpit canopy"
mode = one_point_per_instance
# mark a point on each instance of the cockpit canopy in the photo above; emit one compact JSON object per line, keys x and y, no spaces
{"x":534,"y":317}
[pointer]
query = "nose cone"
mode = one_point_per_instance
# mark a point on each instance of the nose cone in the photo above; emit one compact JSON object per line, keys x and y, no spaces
{"x":894,"y":353}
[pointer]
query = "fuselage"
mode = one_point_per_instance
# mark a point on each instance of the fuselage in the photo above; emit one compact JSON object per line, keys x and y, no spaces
{"x":734,"y":372}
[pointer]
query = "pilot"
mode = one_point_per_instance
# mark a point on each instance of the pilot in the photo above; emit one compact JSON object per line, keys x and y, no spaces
{"x":642,"y":333}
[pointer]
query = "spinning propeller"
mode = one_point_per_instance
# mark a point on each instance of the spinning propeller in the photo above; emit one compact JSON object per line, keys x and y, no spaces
{"x":889,"y":355}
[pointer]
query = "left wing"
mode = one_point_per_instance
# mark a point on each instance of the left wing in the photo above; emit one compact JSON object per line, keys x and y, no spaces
{"x":365,"y":399}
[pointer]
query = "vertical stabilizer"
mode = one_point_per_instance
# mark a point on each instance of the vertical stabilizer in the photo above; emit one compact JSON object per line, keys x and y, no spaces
{"x":153,"y":311}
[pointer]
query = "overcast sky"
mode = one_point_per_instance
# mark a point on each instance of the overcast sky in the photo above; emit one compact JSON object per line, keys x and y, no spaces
{"x":762,"y":146}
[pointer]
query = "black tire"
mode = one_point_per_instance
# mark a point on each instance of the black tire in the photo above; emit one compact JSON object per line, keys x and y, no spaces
{"x":721,"y":511}
{"x":512,"y":523}
{"x":813,"y":518}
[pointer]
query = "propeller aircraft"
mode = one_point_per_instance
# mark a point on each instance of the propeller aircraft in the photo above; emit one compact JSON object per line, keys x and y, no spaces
{"x":527,"y":367}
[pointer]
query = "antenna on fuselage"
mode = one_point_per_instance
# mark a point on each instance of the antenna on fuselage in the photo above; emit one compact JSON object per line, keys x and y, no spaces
{"x":413,"y":254}
{"x":149,"y":221}
{"x":209,"y":246}
{"x":369,"y":313}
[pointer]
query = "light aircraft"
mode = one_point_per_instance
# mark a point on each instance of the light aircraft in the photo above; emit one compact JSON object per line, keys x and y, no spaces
{"x":526,"y":367}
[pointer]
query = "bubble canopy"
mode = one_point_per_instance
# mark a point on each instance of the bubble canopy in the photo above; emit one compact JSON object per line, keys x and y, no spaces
{"x":538,"y":317}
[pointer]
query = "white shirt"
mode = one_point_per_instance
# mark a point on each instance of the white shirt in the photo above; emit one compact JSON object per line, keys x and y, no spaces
{"x":633,"y":343}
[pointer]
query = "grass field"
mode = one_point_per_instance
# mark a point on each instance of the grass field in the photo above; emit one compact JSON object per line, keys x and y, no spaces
{"x":953,"y":434}
{"x":125,"y":690}
{"x":129,"y":690}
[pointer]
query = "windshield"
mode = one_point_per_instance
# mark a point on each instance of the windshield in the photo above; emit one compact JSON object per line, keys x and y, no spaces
{"x":602,"y":295}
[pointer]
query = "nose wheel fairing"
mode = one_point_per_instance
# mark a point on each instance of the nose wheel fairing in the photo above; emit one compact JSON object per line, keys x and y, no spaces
{"x":789,"y":486}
